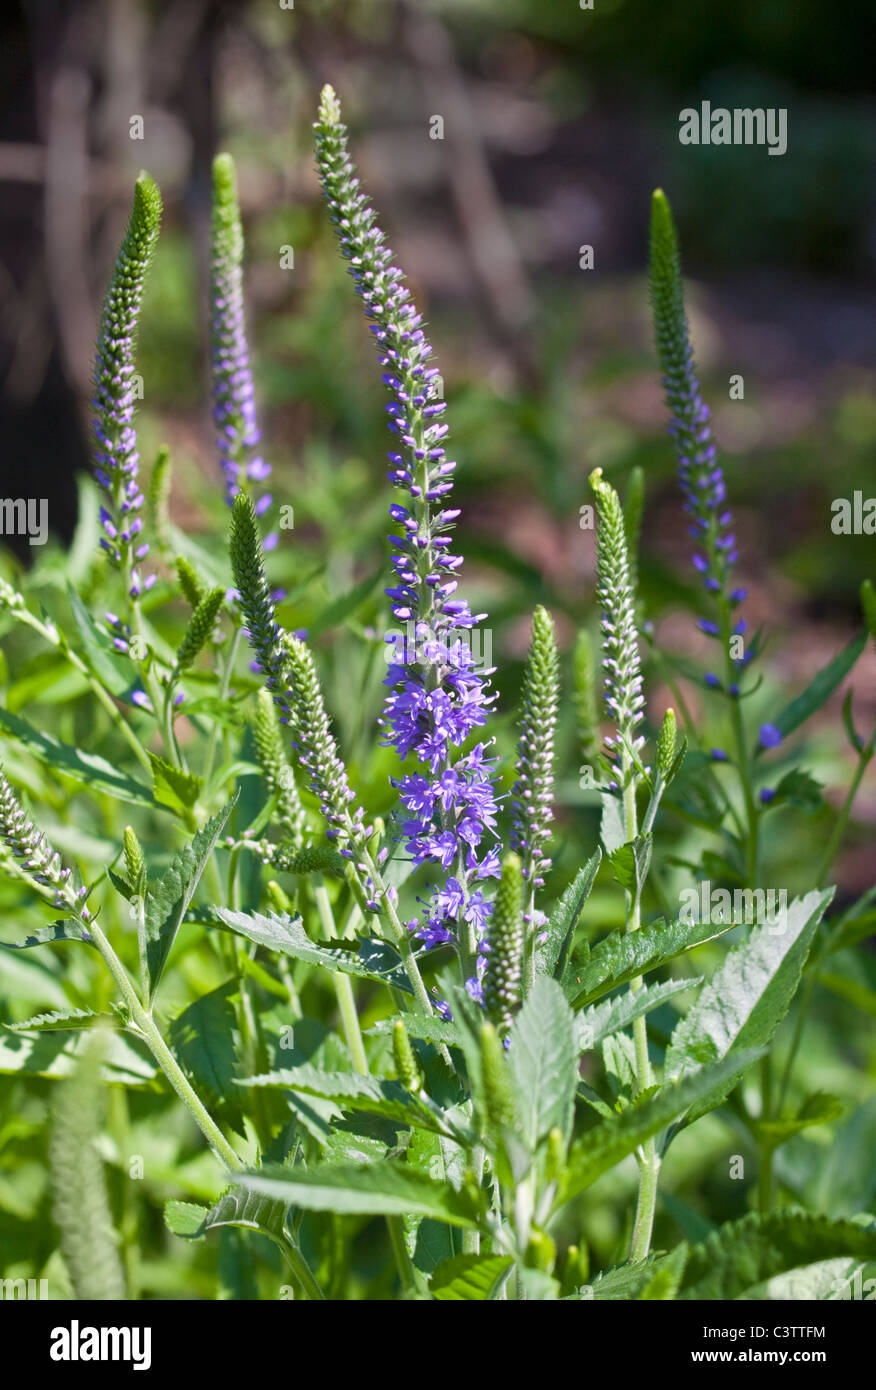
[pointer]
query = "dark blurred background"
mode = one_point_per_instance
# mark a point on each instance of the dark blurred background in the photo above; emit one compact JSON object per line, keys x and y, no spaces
{"x":558,"y":122}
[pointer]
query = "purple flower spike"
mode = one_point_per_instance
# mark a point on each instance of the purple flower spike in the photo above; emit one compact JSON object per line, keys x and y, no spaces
{"x":116,"y":456}
{"x":438,"y":690}
{"x":234,"y":414}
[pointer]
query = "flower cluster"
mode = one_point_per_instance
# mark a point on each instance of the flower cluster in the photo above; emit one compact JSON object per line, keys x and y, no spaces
{"x":620,"y":641}
{"x":234,"y":415}
{"x":532,"y":794}
{"x":438,"y":696}
{"x":700,"y":474}
{"x":40,"y":862}
{"x":117,"y":459}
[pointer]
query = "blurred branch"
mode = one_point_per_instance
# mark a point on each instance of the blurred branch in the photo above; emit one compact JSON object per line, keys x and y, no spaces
{"x":498,"y":266}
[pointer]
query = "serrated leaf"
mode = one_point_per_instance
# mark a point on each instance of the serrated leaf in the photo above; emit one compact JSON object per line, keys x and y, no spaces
{"x":551,"y":955}
{"x":172,"y":786}
{"x":621,"y":956}
{"x":56,"y":1018}
{"x":632,"y":1280}
{"x":168,"y":901}
{"x":631,"y":862}
{"x":85,"y":767}
{"x":353,"y":1091}
{"x":544,"y":1062}
{"x":750,"y":992}
{"x":756,"y":1248}
{"x":601,"y":1020}
{"x":203,"y":1038}
{"x":606,"y":1144}
{"x":377,"y":1189}
{"x":236,"y":1207}
{"x":820,"y":689}
{"x":468,"y":1277}
{"x":375,"y":960}
{"x":429,"y":1028}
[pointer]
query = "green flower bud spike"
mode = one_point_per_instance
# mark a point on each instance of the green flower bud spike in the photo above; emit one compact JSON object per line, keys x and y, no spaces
{"x":532,"y":793}
{"x":135,"y":863}
{"x":405,"y":1061}
{"x":502,"y":980}
{"x":620,"y":638}
{"x":200,"y":628}
{"x":500,"y":1111}
{"x":667,"y":744}
{"x":276,"y":770}
{"x":190,"y":581}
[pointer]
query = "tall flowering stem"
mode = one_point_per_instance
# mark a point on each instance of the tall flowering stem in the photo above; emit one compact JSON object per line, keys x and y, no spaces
{"x":116,"y":457}
{"x":532,"y":795}
{"x":703,"y":486}
{"x":438,"y":696}
{"x":625,"y":704}
{"x":234,"y":413}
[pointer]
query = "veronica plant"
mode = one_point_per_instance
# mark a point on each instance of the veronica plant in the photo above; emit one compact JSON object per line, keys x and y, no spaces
{"x":380,"y":987}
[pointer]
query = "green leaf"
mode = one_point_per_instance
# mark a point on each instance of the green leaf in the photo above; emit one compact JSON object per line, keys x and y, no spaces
{"x":601,"y":1020}
{"x":631,"y":862}
{"x":279,"y":932}
{"x":818,"y":1109}
{"x":342,"y":607}
{"x":749,"y":994}
{"x":376,"y":1189}
{"x":353,"y":1092}
{"x":612,"y":830}
{"x":744,"y":1253}
{"x":544,"y":1062}
{"x":621,"y":956}
{"x":174,"y":788}
{"x":43,"y":936}
{"x":203,"y":1038}
{"x":168,"y":901}
{"x":113,"y":671}
{"x":637,"y":1280}
{"x":468,"y":1277}
{"x":552,"y":954}
{"x":607,"y":1143}
{"x":56,"y":1018}
{"x":235,"y":1207}
{"x":429,"y":1028}
{"x":54,"y":1054}
{"x":90,"y":768}
{"x":820,"y":689}
{"x":852,"y":991}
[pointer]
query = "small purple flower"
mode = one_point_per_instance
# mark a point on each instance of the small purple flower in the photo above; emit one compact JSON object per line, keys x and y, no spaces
{"x":769,"y":736}
{"x":766,"y":795}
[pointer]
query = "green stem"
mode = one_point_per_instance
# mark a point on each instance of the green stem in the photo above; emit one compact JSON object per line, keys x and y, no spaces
{"x":342,"y":984}
{"x":225,"y":685}
{"x":842,"y":821}
{"x":162,"y":1053}
{"x":649,"y":1159}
